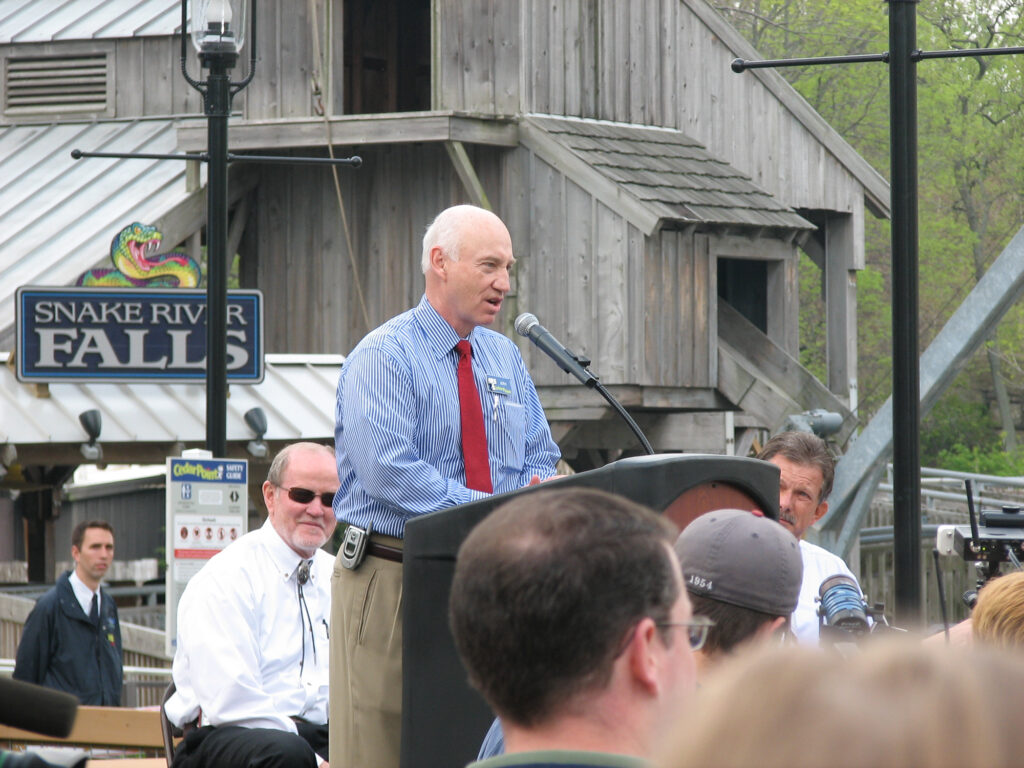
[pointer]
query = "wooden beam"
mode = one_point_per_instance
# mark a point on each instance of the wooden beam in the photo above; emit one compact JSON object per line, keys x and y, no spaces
{"x":189,"y":216}
{"x":358,"y":130}
{"x":100,"y":726}
{"x":573,"y":398}
{"x":761,"y":378}
{"x":235,"y":230}
{"x":467,"y":174}
{"x":840,"y":304}
{"x":667,"y":432}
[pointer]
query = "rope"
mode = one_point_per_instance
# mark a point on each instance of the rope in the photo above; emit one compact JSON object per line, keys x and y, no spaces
{"x":321,"y":110}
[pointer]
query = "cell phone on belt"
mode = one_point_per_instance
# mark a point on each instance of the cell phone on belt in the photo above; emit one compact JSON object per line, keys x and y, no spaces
{"x":353,"y":545}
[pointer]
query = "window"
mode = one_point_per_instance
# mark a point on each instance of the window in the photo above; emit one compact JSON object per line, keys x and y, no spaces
{"x":387,"y":56}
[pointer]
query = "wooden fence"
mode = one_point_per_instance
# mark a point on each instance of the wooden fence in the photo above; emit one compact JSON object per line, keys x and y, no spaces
{"x":143,"y":648}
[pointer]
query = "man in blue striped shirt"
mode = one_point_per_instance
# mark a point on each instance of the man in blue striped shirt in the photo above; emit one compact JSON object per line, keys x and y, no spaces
{"x":399,"y":452}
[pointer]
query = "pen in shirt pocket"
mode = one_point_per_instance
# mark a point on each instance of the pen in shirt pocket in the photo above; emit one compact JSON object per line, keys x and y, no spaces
{"x":498,"y":387}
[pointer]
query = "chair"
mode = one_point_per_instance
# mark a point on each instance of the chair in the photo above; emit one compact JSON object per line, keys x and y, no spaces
{"x":170,"y":732}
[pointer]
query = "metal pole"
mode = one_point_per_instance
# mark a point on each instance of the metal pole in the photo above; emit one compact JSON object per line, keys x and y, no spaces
{"x":905,"y":384}
{"x":218,"y":107}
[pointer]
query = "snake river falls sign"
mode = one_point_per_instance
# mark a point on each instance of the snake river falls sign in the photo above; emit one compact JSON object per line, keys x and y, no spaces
{"x":126,"y":334}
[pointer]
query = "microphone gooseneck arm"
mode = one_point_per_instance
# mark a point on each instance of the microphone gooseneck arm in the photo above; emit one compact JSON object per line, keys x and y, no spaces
{"x":527,"y":325}
{"x":625,"y":416}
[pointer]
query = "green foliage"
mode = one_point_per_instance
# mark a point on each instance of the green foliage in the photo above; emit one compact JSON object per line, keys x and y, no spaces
{"x":970,"y":160}
{"x":874,"y":334}
{"x":953,"y":424}
{"x":994,"y":461}
{"x":813,"y":330}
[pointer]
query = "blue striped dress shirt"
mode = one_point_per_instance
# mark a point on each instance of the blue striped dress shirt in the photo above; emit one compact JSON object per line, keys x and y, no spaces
{"x":397,"y":431}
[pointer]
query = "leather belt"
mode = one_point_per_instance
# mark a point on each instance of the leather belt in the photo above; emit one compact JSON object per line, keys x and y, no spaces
{"x":383,"y":551}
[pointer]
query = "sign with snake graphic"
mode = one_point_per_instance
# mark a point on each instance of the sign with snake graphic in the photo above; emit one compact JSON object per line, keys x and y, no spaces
{"x":132,"y":252}
{"x":137,"y":334}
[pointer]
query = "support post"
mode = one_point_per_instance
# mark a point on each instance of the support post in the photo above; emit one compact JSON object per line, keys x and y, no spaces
{"x":905,"y":376}
{"x":218,"y":107}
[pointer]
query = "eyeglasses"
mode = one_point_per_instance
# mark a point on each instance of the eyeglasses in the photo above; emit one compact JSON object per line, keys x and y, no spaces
{"x":304,"y":495}
{"x":696,"y":630}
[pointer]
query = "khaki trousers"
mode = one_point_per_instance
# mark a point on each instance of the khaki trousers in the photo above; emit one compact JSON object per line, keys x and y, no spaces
{"x":366,"y":663}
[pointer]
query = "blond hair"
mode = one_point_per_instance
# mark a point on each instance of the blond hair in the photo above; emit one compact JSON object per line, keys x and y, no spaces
{"x":892,"y":705}
{"x":998,"y":617}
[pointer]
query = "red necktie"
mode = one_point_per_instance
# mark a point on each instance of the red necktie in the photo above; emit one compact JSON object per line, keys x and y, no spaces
{"x":474,"y":439}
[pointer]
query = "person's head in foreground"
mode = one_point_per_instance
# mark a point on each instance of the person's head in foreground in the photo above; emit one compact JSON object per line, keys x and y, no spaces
{"x":743,"y":571}
{"x":569,"y":613}
{"x":998,"y":616}
{"x":896,"y":704}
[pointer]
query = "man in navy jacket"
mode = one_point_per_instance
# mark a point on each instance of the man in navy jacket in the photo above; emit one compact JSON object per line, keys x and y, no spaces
{"x":72,"y":638}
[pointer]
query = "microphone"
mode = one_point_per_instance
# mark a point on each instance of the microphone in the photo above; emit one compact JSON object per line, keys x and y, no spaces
{"x":37,"y":709}
{"x":527,"y":325}
{"x":842,"y":606}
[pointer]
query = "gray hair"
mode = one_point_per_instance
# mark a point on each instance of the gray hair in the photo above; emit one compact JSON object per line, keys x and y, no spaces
{"x":280,"y":462}
{"x":445,"y":232}
{"x":805,"y":449}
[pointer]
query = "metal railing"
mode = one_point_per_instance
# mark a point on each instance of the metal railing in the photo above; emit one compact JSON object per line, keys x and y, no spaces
{"x":143,"y":686}
{"x":943,"y":501}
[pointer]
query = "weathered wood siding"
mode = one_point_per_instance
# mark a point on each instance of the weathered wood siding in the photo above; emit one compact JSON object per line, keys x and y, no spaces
{"x":585,"y":262}
{"x":477,"y":54}
{"x":149,"y":81}
{"x":146,"y":75}
{"x":283,"y":86}
{"x":147,"y":70}
{"x":679,"y":330}
{"x":642,"y":308}
{"x":652,"y":62}
{"x":295,"y":249}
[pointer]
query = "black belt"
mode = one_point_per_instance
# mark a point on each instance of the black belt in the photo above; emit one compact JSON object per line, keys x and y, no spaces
{"x":383,"y":551}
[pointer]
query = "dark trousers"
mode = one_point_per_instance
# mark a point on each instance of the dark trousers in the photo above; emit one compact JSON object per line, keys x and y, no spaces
{"x":232,"y":746}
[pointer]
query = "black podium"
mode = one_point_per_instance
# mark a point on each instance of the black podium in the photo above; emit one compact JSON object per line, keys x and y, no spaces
{"x":443,"y":719}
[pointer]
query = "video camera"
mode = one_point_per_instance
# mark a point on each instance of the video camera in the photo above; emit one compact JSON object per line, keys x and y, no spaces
{"x":999,"y":538}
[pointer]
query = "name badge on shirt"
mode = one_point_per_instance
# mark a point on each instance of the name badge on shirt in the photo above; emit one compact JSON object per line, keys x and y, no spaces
{"x":499,"y":386}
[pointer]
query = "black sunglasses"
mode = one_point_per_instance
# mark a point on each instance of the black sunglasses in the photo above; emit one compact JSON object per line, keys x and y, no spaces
{"x":304,"y":495}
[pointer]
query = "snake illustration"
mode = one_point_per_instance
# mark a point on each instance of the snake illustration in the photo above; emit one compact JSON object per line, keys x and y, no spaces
{"x":130,"y":251}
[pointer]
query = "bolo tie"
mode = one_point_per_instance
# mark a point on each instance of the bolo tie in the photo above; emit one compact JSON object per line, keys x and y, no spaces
{"x":302,"y":577}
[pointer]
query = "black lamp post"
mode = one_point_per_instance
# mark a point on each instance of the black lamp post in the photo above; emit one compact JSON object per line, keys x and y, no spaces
{"x":218,"y":34}
{"x":902,"y":57}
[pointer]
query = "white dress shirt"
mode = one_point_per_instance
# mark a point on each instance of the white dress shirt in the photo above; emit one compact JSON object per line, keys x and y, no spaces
{"x":241,"y":639}
{"x":819,"y":564}
{"x":84,"y":594}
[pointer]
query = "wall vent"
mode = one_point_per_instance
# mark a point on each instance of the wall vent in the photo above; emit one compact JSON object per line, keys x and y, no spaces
{"x":57,"y":85}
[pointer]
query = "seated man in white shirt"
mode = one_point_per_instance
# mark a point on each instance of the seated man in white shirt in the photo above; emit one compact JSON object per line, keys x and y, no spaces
{"x":252,"y":654}
{"x":807,"y":470}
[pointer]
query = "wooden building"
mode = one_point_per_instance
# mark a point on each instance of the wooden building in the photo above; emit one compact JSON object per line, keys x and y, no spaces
{"x":656,"y":200}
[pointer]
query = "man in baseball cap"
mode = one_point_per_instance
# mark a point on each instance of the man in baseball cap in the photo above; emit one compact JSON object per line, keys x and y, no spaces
{"x":743,"y":571}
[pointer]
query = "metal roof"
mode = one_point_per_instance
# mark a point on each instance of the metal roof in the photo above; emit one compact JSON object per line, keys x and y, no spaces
{"x":58,"y":215}
{"x":140,"y":422}
{"x":43,"y":21}
{"x":670,"y":173}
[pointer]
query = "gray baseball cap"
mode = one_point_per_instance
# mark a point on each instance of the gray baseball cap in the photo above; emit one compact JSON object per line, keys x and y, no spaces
{"x":742,"y":558}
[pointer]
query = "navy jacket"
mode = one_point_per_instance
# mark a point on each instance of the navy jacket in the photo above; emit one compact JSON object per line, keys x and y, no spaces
{"x":60,"y":648}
